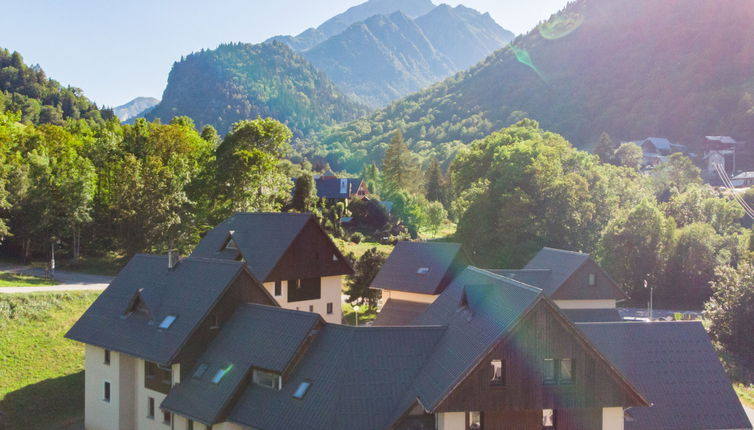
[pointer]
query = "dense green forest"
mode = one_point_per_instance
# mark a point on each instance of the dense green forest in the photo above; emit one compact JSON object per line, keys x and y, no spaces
{"x":632,"y":68}
{"x":42,"y":100}
{"x":239,"y":81}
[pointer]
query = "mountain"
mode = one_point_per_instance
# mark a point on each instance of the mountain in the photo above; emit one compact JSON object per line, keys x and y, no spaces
{"x":632,"y":68}
{"x":28,"y":90}
{"x":135,"y":108}
{"x":340,"y":23}
{"x":381,"y":59}
{"x":243,"y":81}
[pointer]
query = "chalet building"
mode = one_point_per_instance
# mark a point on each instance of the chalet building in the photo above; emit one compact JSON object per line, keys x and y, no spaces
{"x":416,"y":273}
{"x":203,"y":345}
{"x":657,"y":149}
{"x":720,"y":150}
{"x":743,"y":180}
{"x":290,"y":254}
{"x":333,"y":188}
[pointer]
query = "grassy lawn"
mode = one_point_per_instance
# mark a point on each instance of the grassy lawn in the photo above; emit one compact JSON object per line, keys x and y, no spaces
{"x":108,"y":265}
{"x":16,"y":280}
{"x":41,"y":373}
{"x":359,"y":249}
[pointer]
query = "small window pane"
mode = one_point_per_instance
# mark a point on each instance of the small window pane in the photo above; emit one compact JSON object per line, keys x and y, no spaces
{"x":549,"y":370}
{"x":475,"y":420}
{"x":592,"y":279}
{"x":329,"y":308}
{"x":548,"y":418}
{"x":266,"y":379}
{"x":166,"y":417}
{"x":301,"y":390}
{"x":107,"y":356}
{"x":167,"y":322}
{"x":278,"y":288}
{"x":150,"y":407}
{"x":566,"y":371}
{"x":497,"y":371}
{"x":107,"y":391}
{"x":200,"y":371}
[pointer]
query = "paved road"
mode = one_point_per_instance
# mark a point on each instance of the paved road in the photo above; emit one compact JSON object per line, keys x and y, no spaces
{"x":69,"y":281}
{"x":750,"y":413}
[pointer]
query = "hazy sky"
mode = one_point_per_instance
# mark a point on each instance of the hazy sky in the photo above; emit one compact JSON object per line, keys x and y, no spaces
{"x":116,"y":51}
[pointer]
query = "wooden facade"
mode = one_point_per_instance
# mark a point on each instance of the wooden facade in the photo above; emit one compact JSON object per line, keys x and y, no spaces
{"x":518,"y":404}
{"x":310,"y":256}
{"x":577,"y":286}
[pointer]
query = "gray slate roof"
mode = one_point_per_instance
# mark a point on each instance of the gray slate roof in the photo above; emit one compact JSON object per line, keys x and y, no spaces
{"x":262,"y":239}
{"x":592,"y":315}
{"x":188,"y":292}
{"x":359,"y":377}
{"x":329,"y":187}
{"x":675,"y":366}
{"x":495,"y":305}
{"x":401,"y":270}
{"x":256,"y":336}
{"x":399,"y":312}
{"x":561,"y":264}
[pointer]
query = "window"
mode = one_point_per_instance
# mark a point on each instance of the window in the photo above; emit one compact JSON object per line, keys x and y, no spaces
{"x":221,"y":373}
{"x":592,"y":280}
{"x":167,"y":322}
{"x":549,"y":418}
{"x":422,"y":271}
{"x":334,"y":257}
{"x":107,"y":357}
{"x":304,"y":289}
{"x":566,"y":371}
{"x":150,"y":408}
{"x":474,"y":420}
{"x":190,"y":425}
{"x":107,"y":392}
{"x":200,"y":371}
{"x":166,"y":417}
{"x":558,"y":371}
{"x":157,"y":378}
{"x":497,"y":370}
{"x":278,"y":288}
{"x":214,"y":322}
{"x":266,"y":379}
{"x":311,"y":308}
{"x":302,"y":389}
{"x":329,"y":308}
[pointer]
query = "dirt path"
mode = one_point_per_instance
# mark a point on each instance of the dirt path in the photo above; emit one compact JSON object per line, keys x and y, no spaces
{"x":69,"y":281}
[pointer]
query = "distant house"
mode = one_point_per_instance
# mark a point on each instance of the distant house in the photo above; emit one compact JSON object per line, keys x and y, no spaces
{"x":720,"y":151}
{"x":743,"y":180}
{"x":657,"y":149}
{"x":337,"y":189}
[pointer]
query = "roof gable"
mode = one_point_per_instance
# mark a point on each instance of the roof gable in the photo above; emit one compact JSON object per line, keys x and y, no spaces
{"x":337,"y":188}
{"x":188,"y":292}
{"x":420,"y":267}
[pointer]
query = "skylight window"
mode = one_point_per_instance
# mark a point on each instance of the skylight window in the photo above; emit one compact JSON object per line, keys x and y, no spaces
{"x":422,"y":271}
{"x":302,"y":389}
{"x":221,"y":373}
{"x":201,"y":370}
{"x":167,"y":321}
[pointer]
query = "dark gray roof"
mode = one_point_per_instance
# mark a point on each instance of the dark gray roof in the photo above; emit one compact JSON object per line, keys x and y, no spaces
{"x":262,"y":239}
{"x":561,"y":264}
{"x":493,"y":306}
{"x":401,"y":271}
{"x":676,"y":367}
{"x":187,"y":292}
{"x":592,"y":315}
{"x":258,"y":336}
{"x":399,"y":312}
{"x":539,"y":278}
{"x":358,"y":375}
{"x":329,"y":187}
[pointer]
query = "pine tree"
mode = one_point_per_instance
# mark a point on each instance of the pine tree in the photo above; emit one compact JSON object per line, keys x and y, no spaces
{"x":434,"y":181}
{"x":605,"y":148}
{"x":304,"y":193}
{"x":400,"y":170}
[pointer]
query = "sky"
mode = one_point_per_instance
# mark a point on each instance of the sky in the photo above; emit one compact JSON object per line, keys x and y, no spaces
{"x":116,"y":51}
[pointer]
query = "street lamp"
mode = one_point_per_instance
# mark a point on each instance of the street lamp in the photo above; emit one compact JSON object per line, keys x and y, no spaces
{"x":356,"y":312}
{"x":52,"y":258}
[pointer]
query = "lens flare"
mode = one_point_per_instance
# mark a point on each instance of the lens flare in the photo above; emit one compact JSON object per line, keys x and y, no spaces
{"x":523,"y":57}
{"x":561,"y":26}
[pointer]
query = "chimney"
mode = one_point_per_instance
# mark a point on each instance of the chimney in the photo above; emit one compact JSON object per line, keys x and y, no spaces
{"x":173,"y":258}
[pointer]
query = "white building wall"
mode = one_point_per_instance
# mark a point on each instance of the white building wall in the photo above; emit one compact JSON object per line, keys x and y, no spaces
{"x":331,"y":293}
{"x":612,"y":418}
{"x":142,"y":420}
{"x":450,"y":421}
{"x":586,"y":304}
{"x":409,"y":297}
{"x":126,"y":389}
{"x":99,"y":414}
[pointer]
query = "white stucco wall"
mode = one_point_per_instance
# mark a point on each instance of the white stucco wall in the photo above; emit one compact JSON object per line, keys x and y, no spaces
{"x":143,"y":422}
{"x":586,"y":304}
{"x":451,"y":421}
{"x":99,"y":414}
{"x":612,"y":418}
{"x":409,"y":297}
{"x":331,"y":293}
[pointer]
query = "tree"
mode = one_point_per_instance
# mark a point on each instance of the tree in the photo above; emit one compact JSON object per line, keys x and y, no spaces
{"x":436,"y":216}
{"x":365,"y":270}
{"x":434,"y":182}
{"x":628,"y":154}
{"x":605,"y":148}
{"x":675,"y":176}
{"x":399,"y":169}
{"x":248,"y":176}
{"x":692,"y":260}
{"x":634,"y":248}
{"x":304,"y":193}
{"x":210,"y":135}
{"x":411,"y":210}
{"x":730,"y":311}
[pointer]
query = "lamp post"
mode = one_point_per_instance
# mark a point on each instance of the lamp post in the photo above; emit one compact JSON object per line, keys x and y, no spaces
{"x":356,"y":312}
{"x":651,"y":299}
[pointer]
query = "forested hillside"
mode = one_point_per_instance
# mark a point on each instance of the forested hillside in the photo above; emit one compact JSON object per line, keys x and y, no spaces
{"x":241,"y":81}
{"x":27,"y":89}
{"x":632,"y":68}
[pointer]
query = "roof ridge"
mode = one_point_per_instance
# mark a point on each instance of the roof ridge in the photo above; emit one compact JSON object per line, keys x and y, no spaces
{"x":567,"y":251}
{"x":280,"y":309}
{"x":506,"y":279}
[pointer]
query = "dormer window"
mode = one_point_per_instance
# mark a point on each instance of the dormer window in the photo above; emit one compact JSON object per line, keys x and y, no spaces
{"x":302,"y":389}
{"x":167,"y":322}
{"x":422,"y":271}
{"x":266,"y":379}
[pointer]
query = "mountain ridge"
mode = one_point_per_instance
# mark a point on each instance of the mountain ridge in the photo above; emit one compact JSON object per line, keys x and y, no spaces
{"x":135,"y":108}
